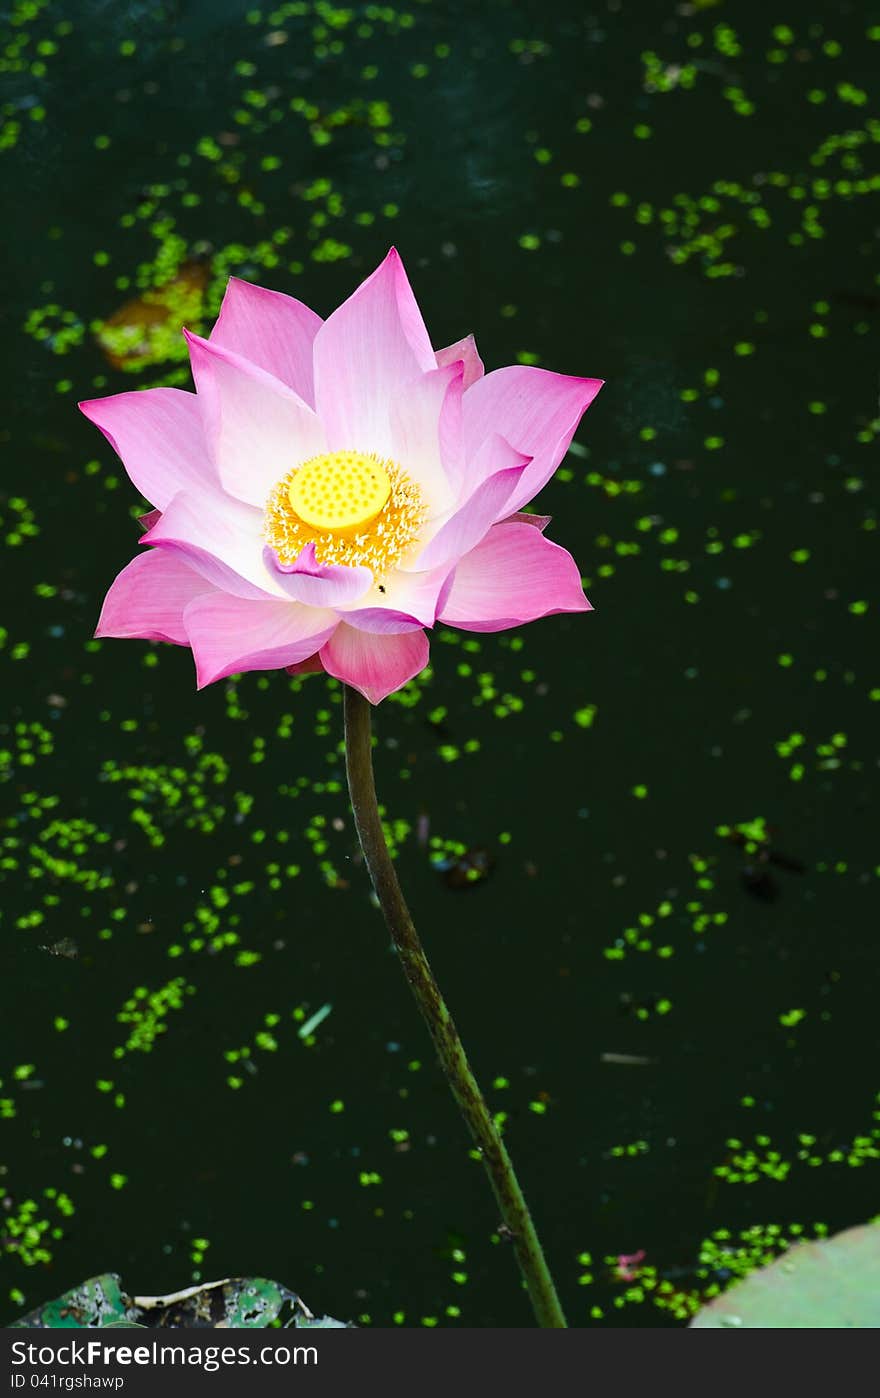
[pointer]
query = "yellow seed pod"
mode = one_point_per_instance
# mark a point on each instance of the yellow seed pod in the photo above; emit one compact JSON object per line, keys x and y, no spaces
{"x":340,"y":493}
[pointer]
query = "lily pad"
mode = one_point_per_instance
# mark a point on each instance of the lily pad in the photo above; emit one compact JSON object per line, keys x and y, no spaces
{"x":234,"y":1303}
{"x":833,"y":1284}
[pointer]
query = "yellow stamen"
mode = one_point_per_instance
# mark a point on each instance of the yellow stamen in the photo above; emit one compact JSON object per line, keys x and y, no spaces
{"x":357,"y":509}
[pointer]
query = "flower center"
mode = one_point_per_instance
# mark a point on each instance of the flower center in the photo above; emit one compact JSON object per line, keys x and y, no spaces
{"x":341,"y":493}
{"x":358,"y":510}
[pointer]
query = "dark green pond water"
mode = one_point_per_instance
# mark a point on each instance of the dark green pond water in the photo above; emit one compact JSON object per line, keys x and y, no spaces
{"x":668,"y":979}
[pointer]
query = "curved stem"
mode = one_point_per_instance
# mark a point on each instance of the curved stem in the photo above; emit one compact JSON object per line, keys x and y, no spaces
{"x":517,"y":1222}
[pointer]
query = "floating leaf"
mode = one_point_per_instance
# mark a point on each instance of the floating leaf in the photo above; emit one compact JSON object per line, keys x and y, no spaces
{"x":234,"y":1303}
{"x":833,"y":1284}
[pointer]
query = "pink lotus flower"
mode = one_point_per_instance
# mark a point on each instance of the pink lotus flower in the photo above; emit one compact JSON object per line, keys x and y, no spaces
{"x":334,"y":488}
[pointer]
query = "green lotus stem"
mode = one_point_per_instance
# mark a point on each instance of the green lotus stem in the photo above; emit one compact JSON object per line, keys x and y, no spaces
{"x":517,"y":1223}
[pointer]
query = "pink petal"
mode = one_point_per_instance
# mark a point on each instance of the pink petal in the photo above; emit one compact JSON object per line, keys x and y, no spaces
{"x":375,"y":665}
{"x":537,"y":411}
{"x":515,"y":575}
{"x":157,"y":433}
{"x":312,"y":666}
{"x":272,"y":330}
{"x":220,"y":538}
{"x":472,"y":520}
{"x":372,"y":345}
{"x":465,"y":351}
{"x":232,"y":634}
{"x":409,"y":602}
{"x":147,"y":521}
{"x":256,"y":427}
{"x":494,"y":453}
{"x":147,"y":599}
{"x":320,"y":584}
{"x":381,"y":621}
{"x":426,"y":434}
{"x":523,"y":517}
